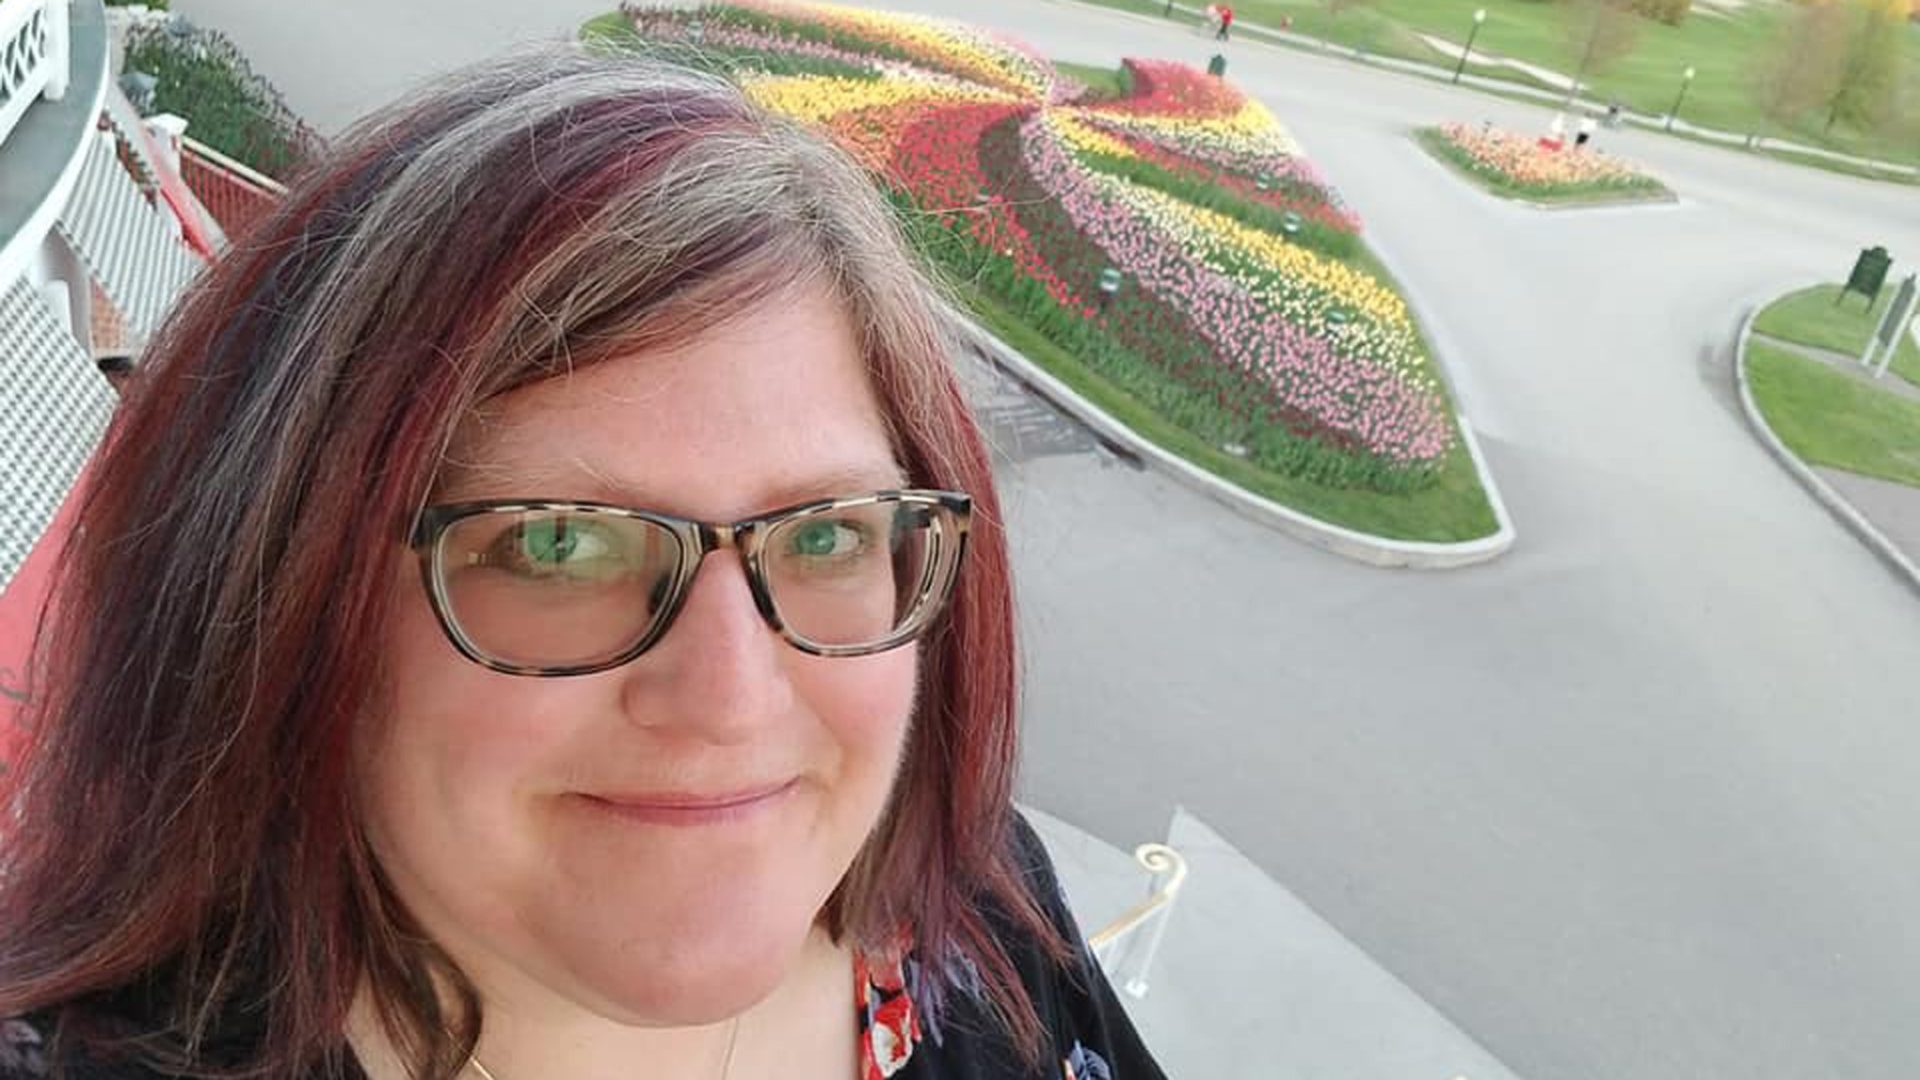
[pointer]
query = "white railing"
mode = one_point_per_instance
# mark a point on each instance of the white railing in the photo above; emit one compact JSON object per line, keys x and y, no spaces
{"x":1126,"y":946}
{"x":33,"y":56}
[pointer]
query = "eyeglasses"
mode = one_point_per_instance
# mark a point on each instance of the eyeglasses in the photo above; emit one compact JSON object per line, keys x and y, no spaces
{"x":529,"y":587}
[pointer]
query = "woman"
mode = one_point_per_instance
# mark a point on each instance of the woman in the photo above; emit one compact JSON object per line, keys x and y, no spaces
{"x":543,"y":613}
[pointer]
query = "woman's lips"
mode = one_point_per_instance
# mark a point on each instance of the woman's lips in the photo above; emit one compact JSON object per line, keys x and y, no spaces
{"x":692,"y":808}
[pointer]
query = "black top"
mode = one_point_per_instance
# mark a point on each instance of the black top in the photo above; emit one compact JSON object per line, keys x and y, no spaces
{"x":915,"y":1024}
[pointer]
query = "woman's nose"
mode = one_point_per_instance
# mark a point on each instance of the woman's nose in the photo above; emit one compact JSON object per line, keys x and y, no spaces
{"x":718,"y":673}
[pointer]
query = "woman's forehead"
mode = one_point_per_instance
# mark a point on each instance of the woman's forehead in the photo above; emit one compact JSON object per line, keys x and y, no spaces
{"x":772,"y":404}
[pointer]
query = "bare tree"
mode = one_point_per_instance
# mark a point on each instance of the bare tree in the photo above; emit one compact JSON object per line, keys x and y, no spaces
{"x":1870,"y":78}
{"x":1841,"y":58}
{"x":1804,"y":70}
{"x":1599,"y":32}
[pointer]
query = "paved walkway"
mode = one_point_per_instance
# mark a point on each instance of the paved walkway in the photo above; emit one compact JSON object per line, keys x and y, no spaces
{"x":1846,"y":365}
{"x":1452,"y":50}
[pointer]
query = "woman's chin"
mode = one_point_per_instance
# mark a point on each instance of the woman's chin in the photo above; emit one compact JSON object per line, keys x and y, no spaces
{"x":693,"y":977}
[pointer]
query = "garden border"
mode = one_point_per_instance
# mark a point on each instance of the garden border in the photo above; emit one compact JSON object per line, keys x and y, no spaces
{"x":1877,"y":542}
{"x":1361,"y":547}
{"x":1666,"y":196}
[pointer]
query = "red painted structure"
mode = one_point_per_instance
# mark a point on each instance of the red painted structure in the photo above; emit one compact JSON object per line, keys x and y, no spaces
{"x":20,"y":607}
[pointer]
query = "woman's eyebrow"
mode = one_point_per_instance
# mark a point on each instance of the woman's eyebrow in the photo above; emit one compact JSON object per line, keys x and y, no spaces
{"x":834,"y":483}
{"x":581,"y":479}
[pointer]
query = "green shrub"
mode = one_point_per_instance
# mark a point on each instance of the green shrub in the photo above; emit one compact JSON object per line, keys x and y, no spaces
{"x":202,"y":76}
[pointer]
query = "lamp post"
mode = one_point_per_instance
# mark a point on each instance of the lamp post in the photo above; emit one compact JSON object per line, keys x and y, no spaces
{"x":1686,"y":80}
{"x":1479,"y":17}
{"x":1109,"y":285}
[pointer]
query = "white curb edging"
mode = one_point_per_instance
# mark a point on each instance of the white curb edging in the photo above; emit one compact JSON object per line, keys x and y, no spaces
{"x":1359,"y":546}
{"x":1878,"y":542}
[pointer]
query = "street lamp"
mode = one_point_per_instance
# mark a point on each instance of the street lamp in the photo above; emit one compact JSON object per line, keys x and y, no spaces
{"x":1686,"y":80}
{"x":1479,"y":16}
{"x":1109,"y":285}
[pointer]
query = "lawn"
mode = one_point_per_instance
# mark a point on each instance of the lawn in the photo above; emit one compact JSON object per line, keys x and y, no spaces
{"x":1724,"y":51}
{"x":1810,"y":317}
{"x":1829,"y":418}
{"x":1110,"y":82}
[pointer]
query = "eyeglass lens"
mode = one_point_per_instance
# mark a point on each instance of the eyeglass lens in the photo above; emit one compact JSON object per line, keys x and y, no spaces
{"x":559,"y":588}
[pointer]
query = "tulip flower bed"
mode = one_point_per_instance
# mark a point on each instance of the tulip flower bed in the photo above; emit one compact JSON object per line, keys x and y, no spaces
{"x":1518,"y":165}
{"x":1169,"y":244}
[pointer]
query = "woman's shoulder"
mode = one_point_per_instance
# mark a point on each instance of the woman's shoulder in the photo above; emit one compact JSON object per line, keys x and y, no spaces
{"x":22,"y":1049}
{"x":1085,"y":1020}
{"x":31,"y":1049}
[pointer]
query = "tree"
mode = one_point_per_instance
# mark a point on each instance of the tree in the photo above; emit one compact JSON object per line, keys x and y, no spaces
{"x":1599,"y":32}
{"x":1807,"y":61}
{"x":1842,"y":59}
{"x":1870,"y":78}
{"x":1671,"y":12}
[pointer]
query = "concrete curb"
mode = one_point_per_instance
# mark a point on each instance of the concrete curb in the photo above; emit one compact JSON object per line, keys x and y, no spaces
{"x":1877,"y":542}
{"x":1359,"y":546}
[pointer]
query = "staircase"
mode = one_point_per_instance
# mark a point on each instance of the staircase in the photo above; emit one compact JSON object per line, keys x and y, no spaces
{"x":1250,"y":982}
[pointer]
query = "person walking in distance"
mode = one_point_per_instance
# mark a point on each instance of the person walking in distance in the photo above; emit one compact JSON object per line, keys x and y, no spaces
{"x":1226,"y":24}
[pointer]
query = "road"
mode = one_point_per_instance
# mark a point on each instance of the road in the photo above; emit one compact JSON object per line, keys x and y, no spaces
{"x":1639,"y":799}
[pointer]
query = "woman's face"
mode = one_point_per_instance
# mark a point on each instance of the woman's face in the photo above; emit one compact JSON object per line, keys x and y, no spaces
{"x":519,"y":818}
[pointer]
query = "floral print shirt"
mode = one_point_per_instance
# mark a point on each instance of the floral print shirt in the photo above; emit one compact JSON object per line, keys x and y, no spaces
{"x":1091,"y":1036}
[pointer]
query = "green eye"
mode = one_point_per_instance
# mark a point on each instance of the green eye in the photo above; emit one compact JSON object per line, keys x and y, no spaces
{"x":826,"y":539}
{"x":549,"y":542}
{"x":558,"y":544}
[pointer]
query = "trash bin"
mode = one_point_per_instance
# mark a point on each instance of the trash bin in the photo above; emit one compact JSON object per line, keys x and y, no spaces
{"x":1217,"y":66}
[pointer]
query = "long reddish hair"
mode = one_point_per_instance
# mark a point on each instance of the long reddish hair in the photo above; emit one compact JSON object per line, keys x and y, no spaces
{"x":186,"y":839}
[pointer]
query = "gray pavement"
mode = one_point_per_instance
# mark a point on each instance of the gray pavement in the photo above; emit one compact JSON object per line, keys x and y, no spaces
{"x":1893,"y":508}
{"x":1642,"y":799}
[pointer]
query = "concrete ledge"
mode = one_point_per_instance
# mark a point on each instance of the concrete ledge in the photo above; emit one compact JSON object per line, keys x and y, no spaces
{"x":1359,"y":546}
{"x":1877,"y":542}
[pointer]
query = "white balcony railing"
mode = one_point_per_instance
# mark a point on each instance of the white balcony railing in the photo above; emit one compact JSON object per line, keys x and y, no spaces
{"x":1126,"y":946}
{"x":33,"y":56}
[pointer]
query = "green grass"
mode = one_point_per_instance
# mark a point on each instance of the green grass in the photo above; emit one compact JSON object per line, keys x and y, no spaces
{"x":610,"y":29}
{"x":1810,"y":317}
{"x":1726,"y":53}
{"x":1452,"y":509}
{"x":1105,"y":82}
{"x":1829,"y":418}
{"x":1500,"y":184}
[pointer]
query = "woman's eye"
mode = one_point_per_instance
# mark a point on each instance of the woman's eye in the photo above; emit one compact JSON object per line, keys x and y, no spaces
{"x":551,"y":545}
{"x":828,"y":539}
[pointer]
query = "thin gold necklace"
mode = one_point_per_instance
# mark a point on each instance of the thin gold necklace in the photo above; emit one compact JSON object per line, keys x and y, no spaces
{"x":726,"y":1063}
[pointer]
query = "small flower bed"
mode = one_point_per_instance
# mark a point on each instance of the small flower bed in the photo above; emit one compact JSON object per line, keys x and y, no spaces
{"x":1515,"y":164}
